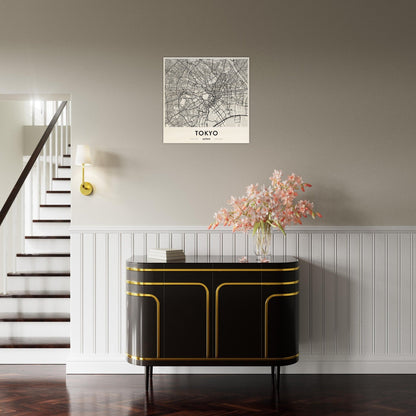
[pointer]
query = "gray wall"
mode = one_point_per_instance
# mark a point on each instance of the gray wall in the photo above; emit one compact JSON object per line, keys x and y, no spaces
{"x":332,"y":98}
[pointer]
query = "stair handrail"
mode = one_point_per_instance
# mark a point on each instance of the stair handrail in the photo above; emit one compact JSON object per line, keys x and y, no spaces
{"x":29,"y":165}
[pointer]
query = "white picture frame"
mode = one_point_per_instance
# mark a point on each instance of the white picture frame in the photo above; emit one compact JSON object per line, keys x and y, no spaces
{"x":206,"y":100}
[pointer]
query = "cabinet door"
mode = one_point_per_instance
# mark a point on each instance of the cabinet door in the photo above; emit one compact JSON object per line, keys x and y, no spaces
{"x":186,"y":323}
{"x":144,"y":299}
{"x":237,"y":314}
{"x":280,"y":314}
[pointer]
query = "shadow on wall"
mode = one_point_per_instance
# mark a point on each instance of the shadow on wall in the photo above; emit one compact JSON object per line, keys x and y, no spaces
{"x":337,"y":206}
{"x":109,"y":168}
{"x":106,"y":167}
{"x":326,"y":309}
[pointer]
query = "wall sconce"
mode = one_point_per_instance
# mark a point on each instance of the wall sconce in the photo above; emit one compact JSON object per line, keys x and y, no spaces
{"x":83,"y":158}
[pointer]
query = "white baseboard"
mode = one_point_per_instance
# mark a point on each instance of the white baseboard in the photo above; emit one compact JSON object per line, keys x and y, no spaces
{"x":312,"y":365}
{"x":34,"y":355}
{"x":116,"y":364}
{"x":100,"y":364}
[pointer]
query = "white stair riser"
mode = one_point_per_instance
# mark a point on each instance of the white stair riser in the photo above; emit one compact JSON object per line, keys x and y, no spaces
{"x":50,"y":284}
{"x":42,"y":264}
{"x":35,"y":305}
{"x":61,"y":186}
{"x":50,"y":228}
{"x":54,"y":213}
{"x":66,"y":161}
{"x":34,"y":355}
{"x":34,"y":329}
{"x":58,"y":198}
{"x":47,"y":246}
{"x":64,"y":173}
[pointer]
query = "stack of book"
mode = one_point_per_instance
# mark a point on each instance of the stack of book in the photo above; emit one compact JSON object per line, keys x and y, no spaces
{"x":166,"y":254}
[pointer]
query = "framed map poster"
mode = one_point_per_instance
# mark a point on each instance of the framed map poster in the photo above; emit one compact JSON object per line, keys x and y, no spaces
{"x":206,"y":100}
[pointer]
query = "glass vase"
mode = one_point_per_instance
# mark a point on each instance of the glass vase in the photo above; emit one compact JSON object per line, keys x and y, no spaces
{"x":262,"y":243}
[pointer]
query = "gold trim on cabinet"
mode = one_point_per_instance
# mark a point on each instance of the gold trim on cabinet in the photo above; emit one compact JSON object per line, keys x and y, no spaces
{"x":216,"y":305}
{"x":134,"y":357}
{"x":134,"y":269}
{"x":132,"y":282}
{"x":245,"y":284}
{"x":157,"y":316}
{"x":266,"y":318}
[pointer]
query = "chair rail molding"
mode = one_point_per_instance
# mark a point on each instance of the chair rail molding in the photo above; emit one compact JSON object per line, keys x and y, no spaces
{"x":357,"y":294}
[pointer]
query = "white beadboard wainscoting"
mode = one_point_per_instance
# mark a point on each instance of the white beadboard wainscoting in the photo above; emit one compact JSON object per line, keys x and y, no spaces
{"x":357,"y":294}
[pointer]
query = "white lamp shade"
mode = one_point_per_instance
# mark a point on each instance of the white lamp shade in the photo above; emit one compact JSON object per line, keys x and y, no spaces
{"x":83,"y":155}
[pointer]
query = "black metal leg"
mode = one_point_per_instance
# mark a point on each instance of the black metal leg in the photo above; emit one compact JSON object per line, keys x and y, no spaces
{"x":148,"y":367}
{"x":149,"y":388}
{"x":278,"y":381}
{"x":275,"y":389}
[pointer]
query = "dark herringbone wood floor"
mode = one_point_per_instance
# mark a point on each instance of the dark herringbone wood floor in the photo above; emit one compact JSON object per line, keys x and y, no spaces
{"x":45,"y":390}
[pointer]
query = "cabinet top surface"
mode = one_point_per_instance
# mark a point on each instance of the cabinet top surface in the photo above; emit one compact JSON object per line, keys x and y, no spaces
{"x":234,"y":261}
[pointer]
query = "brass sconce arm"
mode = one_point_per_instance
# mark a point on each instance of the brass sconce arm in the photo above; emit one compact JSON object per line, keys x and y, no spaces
{"x":83,"y":158}
{"x":86,"y":188}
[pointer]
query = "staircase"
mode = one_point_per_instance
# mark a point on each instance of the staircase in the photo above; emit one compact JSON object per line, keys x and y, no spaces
{"x":34,"y":311}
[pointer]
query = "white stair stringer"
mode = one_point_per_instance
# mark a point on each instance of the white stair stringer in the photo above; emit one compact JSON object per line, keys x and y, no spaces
{"x":34,"y":313}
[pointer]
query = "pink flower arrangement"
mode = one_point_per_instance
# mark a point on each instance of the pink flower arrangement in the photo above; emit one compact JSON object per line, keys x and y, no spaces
{"x":265,"y":207}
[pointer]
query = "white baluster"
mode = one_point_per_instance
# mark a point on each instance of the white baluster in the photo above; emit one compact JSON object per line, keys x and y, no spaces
{"x":43,"y":187}
{"x":63,"y":131}
{"x":66,"y":126}
{"x":50,"y":162}
{"x":60,"y":134}
{"x":4,"y":257}
{"x":68,"y":122}
{"x":22,"y":217}
{"x":14,"y":232}
{"x":28,"y":202}
{"x":55,"y":135}
{"x":38,"y":189}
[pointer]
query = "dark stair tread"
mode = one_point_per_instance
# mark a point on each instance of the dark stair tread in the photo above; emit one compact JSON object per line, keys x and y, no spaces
{"x":36,"y":294}
{"x":46,"y":221}
{"x":43,"y":255}
{"x":61,"y":179}
{"x":39,"y":274}
{"x":34,"y":317}
{"x":55,"y":205}
{"x":47,"y":342}
{"x":64,"y":167}
{"x":47,"y":237}
{"x":58,"y":192}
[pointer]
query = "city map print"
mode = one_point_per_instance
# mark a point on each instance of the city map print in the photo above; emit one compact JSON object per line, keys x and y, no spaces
{"x":206,"y":100}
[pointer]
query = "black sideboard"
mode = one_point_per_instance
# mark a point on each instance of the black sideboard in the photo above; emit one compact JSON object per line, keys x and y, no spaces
{"x":212,"y":311}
